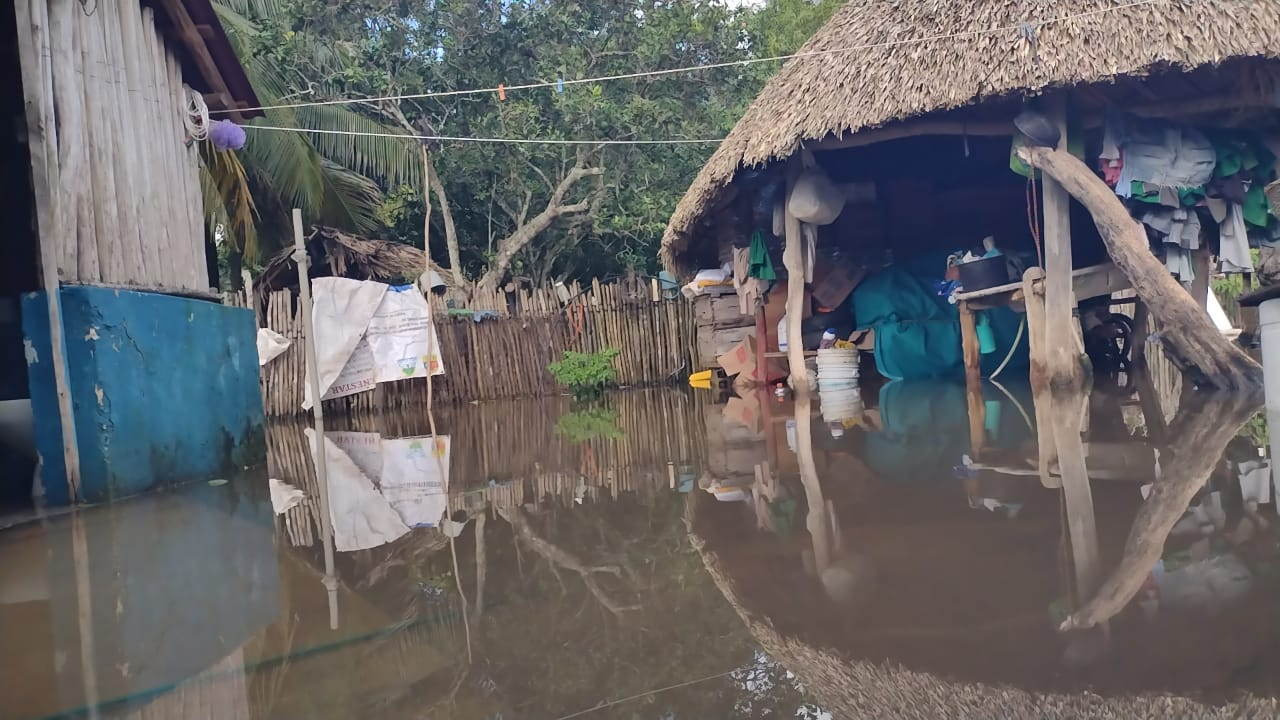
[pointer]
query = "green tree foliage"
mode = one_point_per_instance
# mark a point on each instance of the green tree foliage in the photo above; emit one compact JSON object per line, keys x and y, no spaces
{"x":541,"y":211}
{"x":250,"y":194}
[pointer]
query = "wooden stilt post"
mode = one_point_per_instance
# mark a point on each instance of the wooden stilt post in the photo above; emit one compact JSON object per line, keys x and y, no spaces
{"x":1067,"y":417}
{"x":317,"y":409}
{"x":973,"y":379}
{"x":1033,"y":295}
{"x":1064,"y":346}
{"x":1200,"y":262}
{"x":33,"y":45}
{"x":1141,"y":331}
{"x":793,"y":259}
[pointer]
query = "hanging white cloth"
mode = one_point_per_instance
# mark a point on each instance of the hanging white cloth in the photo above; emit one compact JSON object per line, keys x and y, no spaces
{"x":1234,"y":242}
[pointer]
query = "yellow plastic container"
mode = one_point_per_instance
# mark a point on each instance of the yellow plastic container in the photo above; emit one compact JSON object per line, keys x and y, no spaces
{"x":701,"y":380}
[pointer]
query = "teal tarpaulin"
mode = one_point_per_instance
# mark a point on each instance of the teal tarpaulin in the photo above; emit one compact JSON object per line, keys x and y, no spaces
{"x":925,"y":427}
{"x":918,"y":331}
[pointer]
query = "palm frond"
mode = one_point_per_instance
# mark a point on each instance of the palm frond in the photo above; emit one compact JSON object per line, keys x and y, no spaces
{"x":239,"y":28}
{"x":351,"y":200}
{"x":254,"y":9}
{"x":392,"y":160}
{"x":226,"y":185}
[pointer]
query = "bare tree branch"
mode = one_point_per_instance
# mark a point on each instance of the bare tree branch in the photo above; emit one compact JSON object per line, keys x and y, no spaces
{"x":557,"y":556}
{"x":528,"y":229}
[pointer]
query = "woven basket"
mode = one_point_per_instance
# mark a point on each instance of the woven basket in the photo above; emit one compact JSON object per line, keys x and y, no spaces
{"x":1273,"y":197}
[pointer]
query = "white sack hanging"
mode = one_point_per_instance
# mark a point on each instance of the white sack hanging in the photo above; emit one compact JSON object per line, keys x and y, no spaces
{"x":815,"y":199}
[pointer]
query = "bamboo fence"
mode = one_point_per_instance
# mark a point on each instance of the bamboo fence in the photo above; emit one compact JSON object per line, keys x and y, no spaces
{"x":506,"y":355}
{"x":508,"y":453}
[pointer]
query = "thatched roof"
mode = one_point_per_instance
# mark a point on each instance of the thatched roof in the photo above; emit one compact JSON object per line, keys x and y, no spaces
{"x":916,"y":57}
{"x":850,"y":688}
{"x":335,"y":253}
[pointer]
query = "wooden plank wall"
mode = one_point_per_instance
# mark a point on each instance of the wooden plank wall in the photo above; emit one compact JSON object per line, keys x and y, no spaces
{"x":127,"y":195}
{"x":507,"y":356}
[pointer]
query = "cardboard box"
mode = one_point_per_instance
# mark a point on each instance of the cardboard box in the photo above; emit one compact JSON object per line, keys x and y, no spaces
{"x":833,"y":282}
{"x":744,"y":411}
{"x":741,"y":360}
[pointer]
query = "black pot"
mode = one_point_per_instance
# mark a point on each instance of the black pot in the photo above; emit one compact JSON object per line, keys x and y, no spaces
{"x":984,"y":273}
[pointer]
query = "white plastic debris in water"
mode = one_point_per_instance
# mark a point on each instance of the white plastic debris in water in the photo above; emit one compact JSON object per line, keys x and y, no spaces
{"x":284,"y":496}
{"x":271,"y":345}
{"x":453,"y":529}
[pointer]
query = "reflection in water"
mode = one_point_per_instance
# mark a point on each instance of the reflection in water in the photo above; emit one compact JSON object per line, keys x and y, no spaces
{"x":974,"y":586}
{"x":660,"y":556}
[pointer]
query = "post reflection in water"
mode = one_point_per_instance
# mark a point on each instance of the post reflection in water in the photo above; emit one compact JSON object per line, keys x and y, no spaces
{"x":659,"y":553}
{"x":1141,"y":569}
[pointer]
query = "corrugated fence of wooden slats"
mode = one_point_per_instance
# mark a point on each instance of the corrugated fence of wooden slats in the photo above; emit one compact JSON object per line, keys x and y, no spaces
{"x":507,"y":356}
{"x":507,"y":453}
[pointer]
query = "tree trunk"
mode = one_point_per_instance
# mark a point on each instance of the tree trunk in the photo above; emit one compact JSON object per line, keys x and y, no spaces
{"x":1190,"y":337}
{"x":450,"y":229}
{"x":556,"y":208}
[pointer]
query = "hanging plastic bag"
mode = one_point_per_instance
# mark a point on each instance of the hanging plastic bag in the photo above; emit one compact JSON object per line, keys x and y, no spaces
{"x":815,"y":199}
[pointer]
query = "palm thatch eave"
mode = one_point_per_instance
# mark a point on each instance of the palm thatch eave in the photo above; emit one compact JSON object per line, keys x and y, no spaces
{"x":342,"y":254}
{"x":879,"y":62}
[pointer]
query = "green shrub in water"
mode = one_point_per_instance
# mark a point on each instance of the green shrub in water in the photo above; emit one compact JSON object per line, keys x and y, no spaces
{"x":589,"y":424}
{"x":585,"y":374}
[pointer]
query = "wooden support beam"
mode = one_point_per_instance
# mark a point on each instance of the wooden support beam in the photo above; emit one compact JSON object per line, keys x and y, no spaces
{"x":194,"y":39}
{"x":915,"y":128}
{"x":793,"y":259}
{"x":1188,"y":334}
{"x":1155,"y":108}
{"x":1063,"y":347}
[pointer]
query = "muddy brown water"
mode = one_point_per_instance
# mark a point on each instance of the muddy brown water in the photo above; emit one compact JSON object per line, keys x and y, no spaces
{"x":652,"y":557}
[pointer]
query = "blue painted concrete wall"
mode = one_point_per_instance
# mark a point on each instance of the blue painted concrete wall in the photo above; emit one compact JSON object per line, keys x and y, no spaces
{"x":165,"y":390}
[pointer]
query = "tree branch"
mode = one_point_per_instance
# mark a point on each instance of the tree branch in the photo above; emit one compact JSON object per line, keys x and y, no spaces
{"x":526,"y":231}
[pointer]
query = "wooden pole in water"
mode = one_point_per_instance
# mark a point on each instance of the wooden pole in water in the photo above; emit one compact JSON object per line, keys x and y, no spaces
{"x":793,"y":259}
{"x":33,"y":44}
{"x":317,"y":409}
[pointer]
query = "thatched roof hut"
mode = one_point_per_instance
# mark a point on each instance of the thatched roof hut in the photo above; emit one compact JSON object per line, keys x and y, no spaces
{"x":916,"y":111}
{"x":334,"y":253}
{"x":878,"y":64}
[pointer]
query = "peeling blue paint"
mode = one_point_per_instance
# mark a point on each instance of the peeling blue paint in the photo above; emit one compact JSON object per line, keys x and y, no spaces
{"x":175,"y":399}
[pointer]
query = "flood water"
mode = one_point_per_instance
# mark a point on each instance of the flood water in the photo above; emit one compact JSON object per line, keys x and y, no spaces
{"x":662,"y":555}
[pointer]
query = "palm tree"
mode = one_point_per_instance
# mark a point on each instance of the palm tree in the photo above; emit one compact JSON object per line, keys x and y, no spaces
{"x":334,"y":179}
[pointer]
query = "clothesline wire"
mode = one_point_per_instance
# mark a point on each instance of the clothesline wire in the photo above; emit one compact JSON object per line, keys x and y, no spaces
{"x":561,"y":82}
{"x":490,"y":140}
